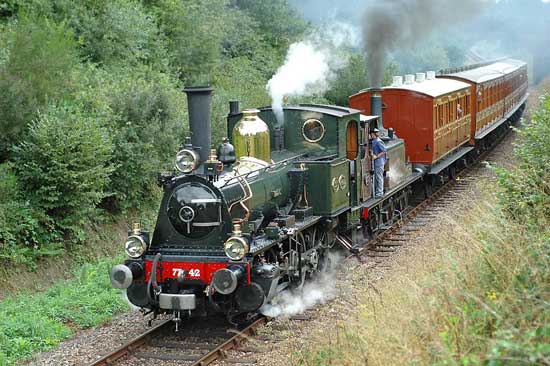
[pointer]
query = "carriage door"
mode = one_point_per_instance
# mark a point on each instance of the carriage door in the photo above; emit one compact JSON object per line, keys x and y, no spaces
{"x":352,"y":151}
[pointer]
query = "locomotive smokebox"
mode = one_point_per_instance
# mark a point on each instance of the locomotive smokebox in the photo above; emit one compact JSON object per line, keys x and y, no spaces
{"x":376,"y":105}
{"x":199,"y":100}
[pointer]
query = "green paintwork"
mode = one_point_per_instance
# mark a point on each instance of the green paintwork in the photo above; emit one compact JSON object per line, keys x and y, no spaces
{"x":270,"y":190}
{"x":326,"y":158}
{"x":320,"y":193}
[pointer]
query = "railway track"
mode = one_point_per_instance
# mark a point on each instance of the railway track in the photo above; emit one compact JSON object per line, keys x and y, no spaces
{"x":199,"y":344}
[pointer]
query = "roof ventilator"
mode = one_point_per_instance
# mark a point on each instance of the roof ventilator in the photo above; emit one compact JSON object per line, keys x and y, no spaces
{"x":420,"y":77}
{"x":409,"y":79}
{"x":397,"y":81}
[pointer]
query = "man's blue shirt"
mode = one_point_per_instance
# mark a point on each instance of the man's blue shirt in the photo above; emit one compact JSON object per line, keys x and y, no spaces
{"x":378,"y":147}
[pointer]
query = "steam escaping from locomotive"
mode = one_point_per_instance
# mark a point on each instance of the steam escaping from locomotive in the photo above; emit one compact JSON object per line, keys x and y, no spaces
{"x":310,"y":65}
{"x":393,"y":24}
{"x":318,"y":291}
{"x":304,"y":73}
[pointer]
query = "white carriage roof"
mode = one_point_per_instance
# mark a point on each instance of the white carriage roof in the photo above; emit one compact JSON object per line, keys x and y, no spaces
{"x":489,"y":72}
{"x":433,"y":88}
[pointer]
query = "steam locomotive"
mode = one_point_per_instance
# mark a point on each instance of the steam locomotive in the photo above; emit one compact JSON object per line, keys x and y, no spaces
{"x":239,"y":224}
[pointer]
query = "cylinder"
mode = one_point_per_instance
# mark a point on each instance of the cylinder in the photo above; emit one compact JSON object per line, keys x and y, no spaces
{"x":251,"y":137}
{"x":199,"y":100}
{"x":250,"y":298}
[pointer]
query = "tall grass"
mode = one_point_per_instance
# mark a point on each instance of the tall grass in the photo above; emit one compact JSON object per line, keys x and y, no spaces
{"x":482,"y":297}
{"x":36,"y":322}
{"x":477,"y":292}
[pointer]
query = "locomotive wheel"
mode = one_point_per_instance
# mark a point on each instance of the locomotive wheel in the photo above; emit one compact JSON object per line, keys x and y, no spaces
{"x":374,"y":219}
{"x":324,"y":243}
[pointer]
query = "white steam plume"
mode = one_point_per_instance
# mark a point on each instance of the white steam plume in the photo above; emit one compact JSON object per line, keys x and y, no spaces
{"x":310,"y":65}
{"x":305,"y":72}
{"x":318,"y":291}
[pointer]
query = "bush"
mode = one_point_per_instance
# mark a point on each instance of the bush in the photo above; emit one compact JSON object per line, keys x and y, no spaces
{"x":145,"y":116}
{"x":526,"y":188}
{"x":39,"y":58}
{"x":64,"y":165}
{"x":116,"y":31}
{"x":25,"y":232}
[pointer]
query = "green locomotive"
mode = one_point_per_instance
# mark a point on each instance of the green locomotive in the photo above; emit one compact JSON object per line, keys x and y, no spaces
{"x":239,"y":224}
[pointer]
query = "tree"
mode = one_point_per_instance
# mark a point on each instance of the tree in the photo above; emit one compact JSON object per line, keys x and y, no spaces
{"x":64,"y":165}
{"x":39,"y":62}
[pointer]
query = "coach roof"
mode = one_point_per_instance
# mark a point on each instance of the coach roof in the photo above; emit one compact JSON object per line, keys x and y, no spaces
{"x":489,"y":72}
{"x":433,"y":88}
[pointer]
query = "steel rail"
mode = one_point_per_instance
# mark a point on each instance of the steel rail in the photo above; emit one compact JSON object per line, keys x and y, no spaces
{"x":234,"y":342}
{"x":130,"y":346}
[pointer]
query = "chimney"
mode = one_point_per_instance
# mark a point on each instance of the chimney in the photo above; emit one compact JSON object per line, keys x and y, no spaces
{"x":430,"y":75}
{"x":198,"y":104}
{"x":420,"y":77}
{"x":234,"y":107}
{"x":409,"y":79}
{"x":397,"y":81}
{"x":376,"y":105}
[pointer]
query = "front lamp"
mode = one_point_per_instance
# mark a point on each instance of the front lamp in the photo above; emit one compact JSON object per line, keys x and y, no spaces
{"x":135,"y":246}
{"x":236,"y":248}
{"x":186,"y":161}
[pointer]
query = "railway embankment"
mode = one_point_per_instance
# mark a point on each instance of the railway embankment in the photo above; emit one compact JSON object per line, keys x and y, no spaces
{"x":472,"y":288}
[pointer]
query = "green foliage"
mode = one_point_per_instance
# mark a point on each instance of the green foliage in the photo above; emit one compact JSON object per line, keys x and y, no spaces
{"x":280,"y":23}
{"x":194,"y":36}
{"x":145,"y":118}
{"x":526,"y":189}
{"x":64,"y":165}
{"x":25,"y":232}
{"x":349,"y":80}
{"x":31,"y":323}
{"x":40,"y":57}
{"x":429,"y":57}
{"x":118,"y":31}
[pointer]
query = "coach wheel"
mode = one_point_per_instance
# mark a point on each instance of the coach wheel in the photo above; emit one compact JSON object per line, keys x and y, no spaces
{"x":452,"y":172}
{"x":428,"y":187}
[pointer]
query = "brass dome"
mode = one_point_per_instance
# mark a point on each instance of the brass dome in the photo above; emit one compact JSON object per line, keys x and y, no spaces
{"x":251,"y":137}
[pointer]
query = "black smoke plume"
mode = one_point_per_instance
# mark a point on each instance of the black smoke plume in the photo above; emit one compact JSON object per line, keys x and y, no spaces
{"x":392,"y":24}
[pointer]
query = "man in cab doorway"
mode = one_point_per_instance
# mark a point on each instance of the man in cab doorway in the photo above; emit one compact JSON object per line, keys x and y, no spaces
{"x":378,"y":155}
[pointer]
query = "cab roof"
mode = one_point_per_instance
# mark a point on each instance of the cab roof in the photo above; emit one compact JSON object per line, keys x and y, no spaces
{"x":330,"y":110}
